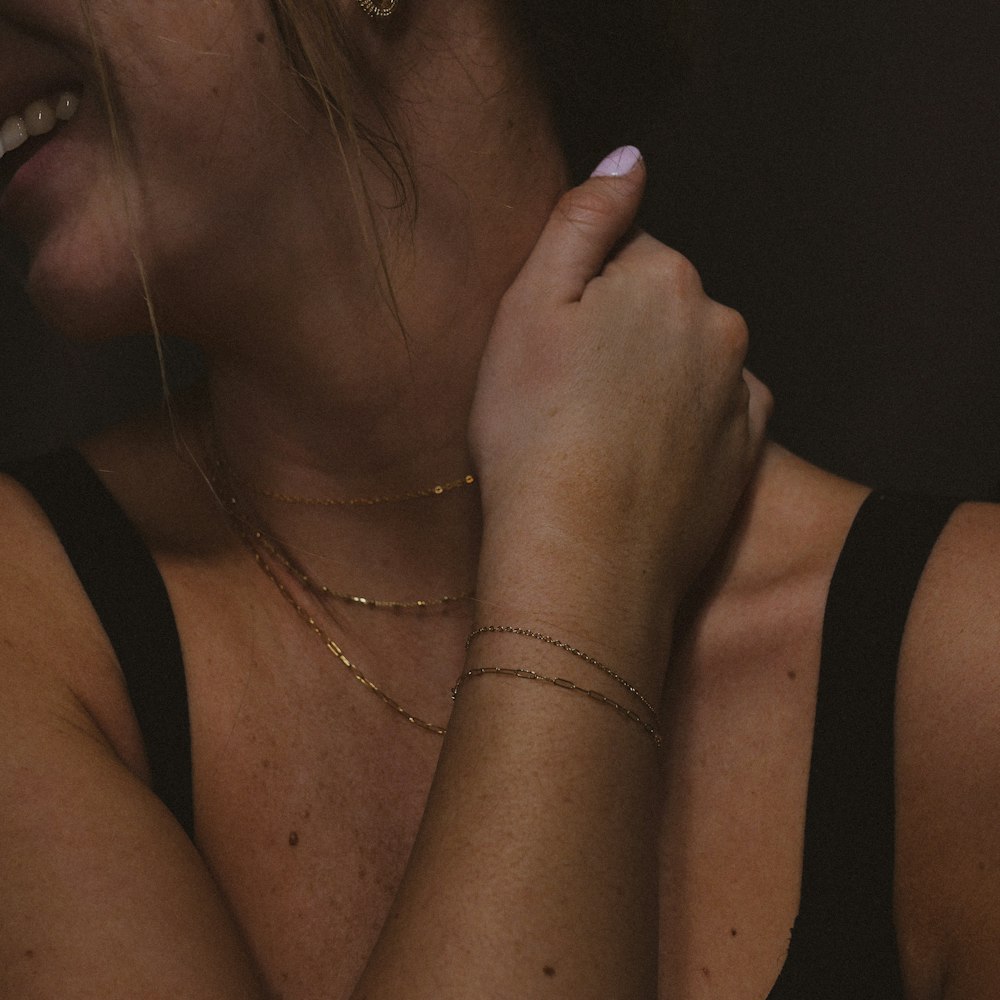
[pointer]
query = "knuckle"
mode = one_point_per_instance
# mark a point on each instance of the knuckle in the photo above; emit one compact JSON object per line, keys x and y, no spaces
{"x":659,"y":269}
{"x":733,"y":332}
{"x":639,"y":249}
{"x":679,"y":271}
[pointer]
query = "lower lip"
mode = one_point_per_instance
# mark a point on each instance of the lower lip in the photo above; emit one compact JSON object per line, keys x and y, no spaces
{"x":21,"y":195}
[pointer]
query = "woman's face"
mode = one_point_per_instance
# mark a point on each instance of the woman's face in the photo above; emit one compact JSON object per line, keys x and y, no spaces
{"x":209,"y":122}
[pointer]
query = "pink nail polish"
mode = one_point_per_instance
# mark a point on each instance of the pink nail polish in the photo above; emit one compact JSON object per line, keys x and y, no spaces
{"x":618,"y":163}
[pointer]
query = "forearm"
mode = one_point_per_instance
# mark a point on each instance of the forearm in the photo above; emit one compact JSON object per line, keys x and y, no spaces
{"x":532,"y":869}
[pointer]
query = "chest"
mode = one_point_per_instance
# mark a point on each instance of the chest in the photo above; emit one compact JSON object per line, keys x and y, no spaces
{"x":309,"y":788}
{"x":309,"y":793}
{"x":308,"y":838}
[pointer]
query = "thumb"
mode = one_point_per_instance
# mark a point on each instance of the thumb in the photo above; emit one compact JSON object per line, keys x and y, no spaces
{"x":585,"y":225}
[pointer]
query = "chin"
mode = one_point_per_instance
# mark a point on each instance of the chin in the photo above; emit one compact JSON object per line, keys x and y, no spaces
{"x":82,"y":295}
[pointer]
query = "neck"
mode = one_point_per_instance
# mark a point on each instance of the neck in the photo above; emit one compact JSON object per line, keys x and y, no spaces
{"x":323,"y":385}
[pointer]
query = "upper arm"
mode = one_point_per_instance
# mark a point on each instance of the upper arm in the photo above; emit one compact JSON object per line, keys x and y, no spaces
{"x":101,"y":893}
{"x":949,"y":762}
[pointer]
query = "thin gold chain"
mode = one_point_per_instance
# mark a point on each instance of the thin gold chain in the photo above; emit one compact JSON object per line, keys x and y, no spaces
{"x":231,"y":476}
{"x":430,"y":491}
{"x":335,"y":649}
{"x":225,"y":476}
{"x":559,"y":644}
{"x":259,"y":544}
{"x":323,"y":592}
{"x":559,"y":682}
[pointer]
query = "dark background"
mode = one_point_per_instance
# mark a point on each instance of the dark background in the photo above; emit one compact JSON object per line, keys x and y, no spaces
{"x":832,"y":170}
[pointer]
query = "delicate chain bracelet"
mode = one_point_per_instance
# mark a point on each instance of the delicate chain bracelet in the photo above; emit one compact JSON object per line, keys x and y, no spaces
{"x":559,"y":682}
{"x":541,"y":637}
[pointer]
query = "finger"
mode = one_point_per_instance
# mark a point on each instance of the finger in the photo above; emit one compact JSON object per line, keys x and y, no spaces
{"x":584,"y":227}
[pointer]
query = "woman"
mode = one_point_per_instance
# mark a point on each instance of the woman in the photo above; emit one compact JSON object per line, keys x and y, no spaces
{"x":342,"y":287}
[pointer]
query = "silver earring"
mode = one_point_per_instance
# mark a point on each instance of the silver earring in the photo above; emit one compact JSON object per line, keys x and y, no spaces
{"x":378,"y":8}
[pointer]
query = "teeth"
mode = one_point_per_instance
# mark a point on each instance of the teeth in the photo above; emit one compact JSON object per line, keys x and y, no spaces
{"x":13,"y":133}
{"x":66,"y":105}
{"x":38,"y":118}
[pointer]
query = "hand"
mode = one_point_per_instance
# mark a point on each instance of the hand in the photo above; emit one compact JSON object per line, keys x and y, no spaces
{"x":614,"y":431}
{"x":613,"y":426}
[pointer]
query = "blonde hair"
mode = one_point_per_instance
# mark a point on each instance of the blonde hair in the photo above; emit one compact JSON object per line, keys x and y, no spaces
{"x":321,"y":53}
{"x":324,"y":57}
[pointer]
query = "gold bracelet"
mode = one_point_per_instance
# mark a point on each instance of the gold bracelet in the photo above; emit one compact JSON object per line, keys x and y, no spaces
{"x":559,"y":682}
{"x":529,"y":634}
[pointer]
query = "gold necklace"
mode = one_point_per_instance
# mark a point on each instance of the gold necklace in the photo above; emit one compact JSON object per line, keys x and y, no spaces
{"x":210,"y":440}
{"x":335,"y":649}
{"x":430,"y":491}
{"x":259,"y":543}
{"x":224,"y":474}
{"x":323,"y":592}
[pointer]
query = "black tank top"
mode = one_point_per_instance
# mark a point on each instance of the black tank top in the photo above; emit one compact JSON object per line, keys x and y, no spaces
{"x":844,"y":941}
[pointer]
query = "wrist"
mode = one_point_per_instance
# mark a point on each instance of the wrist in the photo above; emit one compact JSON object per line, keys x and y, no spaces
{"x":568,"y":589}
{"x":601,"y":683}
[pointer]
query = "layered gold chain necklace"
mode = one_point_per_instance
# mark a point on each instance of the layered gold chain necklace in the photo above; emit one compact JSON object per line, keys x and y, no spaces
{"x":273,"y":558}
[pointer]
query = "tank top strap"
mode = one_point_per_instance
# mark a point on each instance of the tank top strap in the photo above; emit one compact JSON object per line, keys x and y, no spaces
{"x":844,"y":941}
{"x":127,"y":591}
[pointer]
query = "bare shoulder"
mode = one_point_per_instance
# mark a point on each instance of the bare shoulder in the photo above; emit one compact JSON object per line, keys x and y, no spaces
{"x":952,"y":636}
{"x":964,"y":569}
{"x":54,"y":655}
{"x":949,"y":752}
{"x":86,"y":845}
{"x":49,"y":630}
